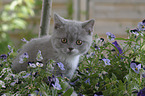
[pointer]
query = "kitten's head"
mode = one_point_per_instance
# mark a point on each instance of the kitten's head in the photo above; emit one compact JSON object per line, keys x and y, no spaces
{"x":72,"y":37}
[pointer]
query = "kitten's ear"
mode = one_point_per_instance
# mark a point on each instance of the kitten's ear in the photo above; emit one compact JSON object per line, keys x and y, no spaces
{"x":58,"y":21}
{"x":88,"y":26}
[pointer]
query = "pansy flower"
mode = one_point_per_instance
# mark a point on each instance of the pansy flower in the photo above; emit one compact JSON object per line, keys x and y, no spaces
{"x":106,"y":61}
{"x":135,"y":31}
{"x":141,"y":92}
{"x":102,"y":39}
{"x":117,"y":46}
{"x":39,"y":64}
{"x":3,"y":56}
{"x":51,"y":80}
{"x":61,"y":66}
{"x":88,"y":81}
{"x":141,"y":25}
{"x":96,"y":47}
{"x":32,"y":65}
{"x":135,"y":66}
{"x":110,"y":36}
{"x":39,"y":56}
{"x":57,"y":85}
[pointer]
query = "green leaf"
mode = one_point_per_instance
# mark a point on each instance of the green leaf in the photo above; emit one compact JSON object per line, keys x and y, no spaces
{"x":13,"y":5}
{"x":19,"y":23}
{"x":64,"y":85}
{"x":114,"y":77}
{"x":124,"y":39}
{"x":68,"y":92}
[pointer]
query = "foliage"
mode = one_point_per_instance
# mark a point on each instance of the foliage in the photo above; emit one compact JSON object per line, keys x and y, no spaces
{"x":122,"y":74}
{"x":36,"y":81}
{"x":108,"y":69}
{"x":13,"y":17}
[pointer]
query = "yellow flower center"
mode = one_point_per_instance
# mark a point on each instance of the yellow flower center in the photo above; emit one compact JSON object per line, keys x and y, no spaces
{"x":136,"y":69}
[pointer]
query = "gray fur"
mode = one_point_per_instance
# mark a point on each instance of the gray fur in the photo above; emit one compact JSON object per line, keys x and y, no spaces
{"x":51,"y":47}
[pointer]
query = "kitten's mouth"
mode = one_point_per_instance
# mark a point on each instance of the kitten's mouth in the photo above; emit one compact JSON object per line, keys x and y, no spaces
{"x":67,"y":53}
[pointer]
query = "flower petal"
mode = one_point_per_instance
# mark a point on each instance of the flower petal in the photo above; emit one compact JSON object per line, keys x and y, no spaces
{"x":61,"y":66}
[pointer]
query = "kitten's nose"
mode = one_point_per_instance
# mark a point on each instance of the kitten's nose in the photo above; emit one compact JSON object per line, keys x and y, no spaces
{"x":70,"y":49}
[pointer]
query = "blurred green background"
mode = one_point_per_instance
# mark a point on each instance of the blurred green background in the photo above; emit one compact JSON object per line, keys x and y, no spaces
{"x":14,"y":22}
{"x":21,"y":19}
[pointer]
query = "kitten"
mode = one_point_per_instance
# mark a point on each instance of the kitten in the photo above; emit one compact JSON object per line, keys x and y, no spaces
{"x":69,"y":40}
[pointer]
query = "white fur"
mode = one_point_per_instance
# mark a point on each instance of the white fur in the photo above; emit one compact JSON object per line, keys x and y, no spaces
{"x":73,"y":63}
{"x":70,"y":62}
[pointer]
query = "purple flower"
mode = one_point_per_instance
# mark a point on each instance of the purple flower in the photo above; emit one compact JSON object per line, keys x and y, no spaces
{"x":88,"y":81}
{"x":141,"y":25}
{"x":27,"y":75}
{"x":39,"y":64}
{"x":11,"y":50}
{"x":135,"y":31}
{"x":106,"y":61}
{"x":102,"y":39}
{"x":24,"y":40}
{"x":135,"y":66}
{"x":141,"y":92}
{"x":117,"y":46}
{"x":110,"y":36}
{"x":3,"y":56}
{"x":32,"y":65}
{"x":60,"y":65}
{"x":57,"y":85}
{"x":96,"y":47}
{"x":51,"y":80}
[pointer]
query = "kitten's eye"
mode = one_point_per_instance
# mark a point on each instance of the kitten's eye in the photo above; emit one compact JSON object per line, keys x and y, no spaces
{"x":64,"y":40}
{"x":79,"y":42}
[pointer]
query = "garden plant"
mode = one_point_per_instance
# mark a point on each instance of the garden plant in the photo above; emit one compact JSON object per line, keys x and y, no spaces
{"x":112,"y":67}
{"x":109,"y":68}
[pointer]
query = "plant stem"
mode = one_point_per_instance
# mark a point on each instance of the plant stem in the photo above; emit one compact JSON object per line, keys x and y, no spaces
{"x":45,"y":17}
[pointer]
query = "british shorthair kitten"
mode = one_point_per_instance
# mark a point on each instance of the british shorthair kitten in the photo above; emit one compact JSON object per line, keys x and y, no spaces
{"x":69,"y":40}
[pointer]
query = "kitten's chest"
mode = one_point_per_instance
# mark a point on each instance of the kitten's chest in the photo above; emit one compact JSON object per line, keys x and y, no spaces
{"x":70,"y":61}
{"x":70,"y":64}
